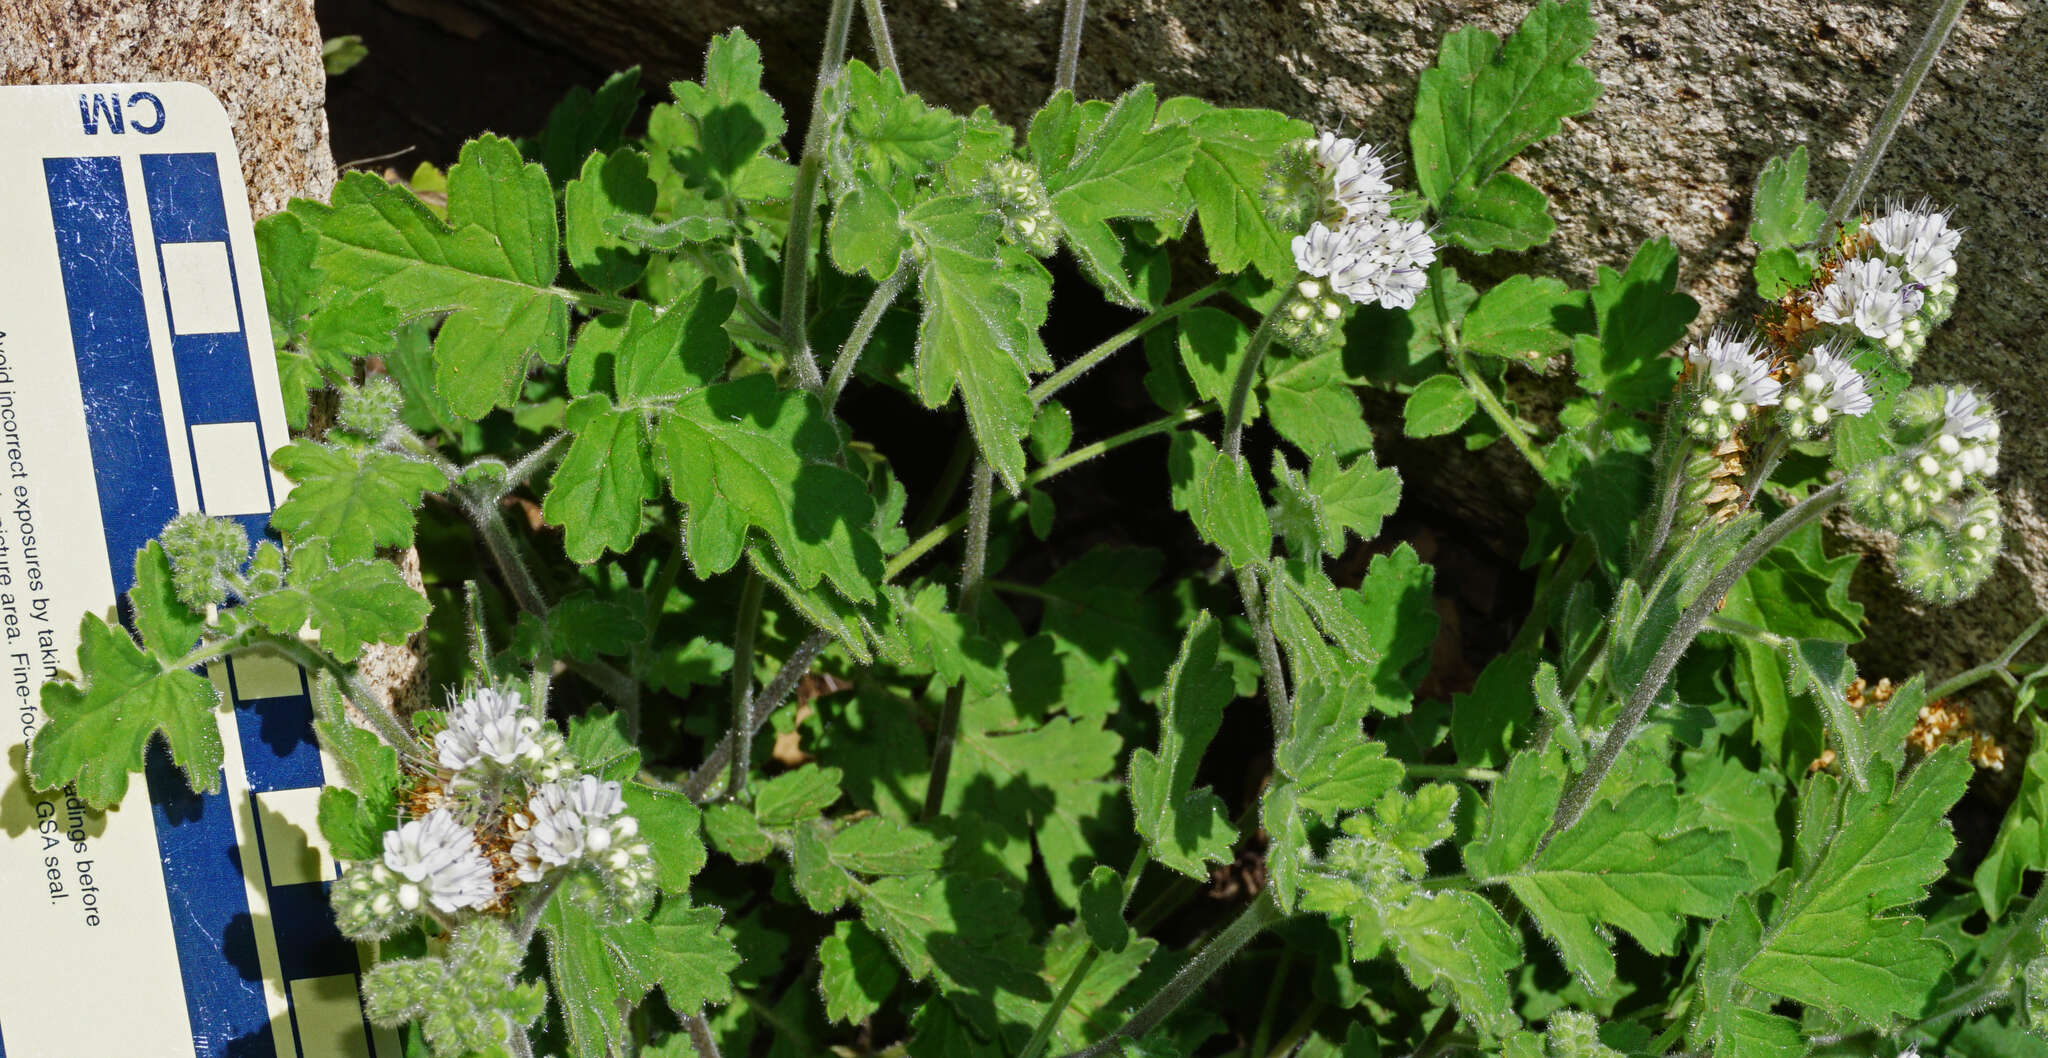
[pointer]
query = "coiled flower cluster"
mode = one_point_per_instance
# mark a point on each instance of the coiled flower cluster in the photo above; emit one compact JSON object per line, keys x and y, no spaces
{"x":1732,"y":383}
{"x":1936,"y":492}
{"x":1026,"y":210}
{"x":1352,"y":247}
{"x":1899,"y":285}
{"x":507,"y":806}
{"x":1828,"y":387}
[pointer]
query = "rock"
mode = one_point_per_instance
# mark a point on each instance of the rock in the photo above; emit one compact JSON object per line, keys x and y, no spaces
{"x":1698,"y":97}
{"x":261,"y":57}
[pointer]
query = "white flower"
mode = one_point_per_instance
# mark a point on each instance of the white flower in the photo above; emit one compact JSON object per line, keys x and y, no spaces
{"x":569,"y":820}
{"x":1732,"y":372}
{"x":488,"y":724}
{"x":1965,"y":415}
{"x":1832,"y":383}
{"x":1389,"y":263}
{"x":1322,"y":249}
{"x":1357,"y":175}
{"x":439,"y":859}
{"x":1872,"y":296}
{"x":1920,"y":239}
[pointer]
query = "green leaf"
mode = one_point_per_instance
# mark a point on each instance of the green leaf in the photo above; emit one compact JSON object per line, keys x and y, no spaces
{"x":598,"y":741}
{"x":1185,"y":828}
{"x":168,"y":627}
{"x":892,"y":133}
{"x":1355,"y":498}
{"x":586,"y":121}
{"x":669,"y":822}
{"x":1733,"y":1017}
{"x":492,"y":266}
{"x":1505,"y":213}
{"x":682,"y":951}
{"x":1310,"y":403}
{"x":866,"y":233}
{"x":1797,"y":591}
{"x":1399,"y":610}
{"x":855,"y":973}
{"x":728,"y":123}
{"x":610,"y":186}
{"x":359,"y":499}
{"x":1212,"y":347}
{"x":744,"y":455}
{"x":1526,"y":319}
{"x":351,"y":829}
{"x":1781,"y":216}
{"x":1829,"y":943}
{"x":961,"y":931}
{"x":95,"y":728}
{"x":1118,"y":165}
{"x":941,"y":643}
{"x":1636,"y":865}
{"x":1458,"y":941}
{"x":604,"y":479}
{"x":599,"y":970}
{"x":1487,"y":723}
{"x":1102,"y":604}
{"x":1438,"y":406}
{"x":1102,"y":909}
{"x":1780,"y":270}
{"x":1043,"y":792}
{"x":824,"y":886}
{"x":979,"y":334}
{"x":1333,"y":769}
{"x":1227,"y":508}
{"x":684,"y":350}
{"x":1639,"y":315}
{"x":1226,"y":178}
{"x":351,"y":603}
{"x":795,"y":796}
{"x":733,"y":830}
{"x":1484,"y":101}
{"x":881,"y":846}
{"x":2022,"y":842}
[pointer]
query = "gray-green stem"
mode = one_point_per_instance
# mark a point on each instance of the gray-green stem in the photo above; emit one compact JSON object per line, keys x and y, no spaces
{"x":981,"y":496}
{"x":1070,"y":45}
{"x":380,"y":716}
{"x":793,"y":670}
{"x":1273,"y":676}
{"x":1999,"y":666}
{"x":796,"y":250}
{"x":1262,"y":913}
{"x":1889,"y":119}
{"x":700,"y":1036}
{"x":747,"y":625}
{"x":885,"y":46}
{"x":863,"y":330}
{"x":1580,"y":794}
{"x":1060,"y":379}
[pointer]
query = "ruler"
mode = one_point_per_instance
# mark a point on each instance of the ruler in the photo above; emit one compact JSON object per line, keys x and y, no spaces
{"x":137,"y":381}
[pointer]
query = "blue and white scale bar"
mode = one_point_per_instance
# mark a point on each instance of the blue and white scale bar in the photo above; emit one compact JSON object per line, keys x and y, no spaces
{"x":265,"y":972}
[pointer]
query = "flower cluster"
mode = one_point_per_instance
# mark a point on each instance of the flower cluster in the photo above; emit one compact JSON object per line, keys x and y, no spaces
{"x":505,"y":807}
{"x":1828,"y":387}
{"x":1903,"y":288}
{"x":1353,"y":247}
{"x":582,"y":821}
{"x":1732,"y":381}
{"x":1936,"y":492}
{"x":1023,"y":205}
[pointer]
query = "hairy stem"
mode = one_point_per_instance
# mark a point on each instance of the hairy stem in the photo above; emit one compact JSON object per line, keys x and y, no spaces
{"x":885,"y":53}
{"x":386,"y":722}
{"x":864,"y":329}
{"x":1272,"y":674}
{"x":1998,"y":666}
{"x":1577,"y":796}
{"x":1889,"y":119}
{"x":939,"y":534}
{"x":747,"y":626}
{"x":796,"y":250}
{"x":981,"y":497}
{"x":1247,"y":376}
{"x":793,"y":669}
{"x":1450,"y":771}
{"x":520,"y":1045}
{"x":519,"y":580}
{"x":534,"y":905}
{"x":1065,"y":376}
{"x":529,"y":464}
{"x":1491,"y":404}
{"x":1070,"y":45}
{"x":1042,"y":1035}
{"x":698,"y":1028}
{"x":1263,"y":912}
{"x":592,"y":300}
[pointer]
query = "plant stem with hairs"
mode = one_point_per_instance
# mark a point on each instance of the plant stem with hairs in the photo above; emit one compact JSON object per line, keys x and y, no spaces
{"x":972,"y":566}
{"x":796,"y":250}
{"x":1889,"y":119}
